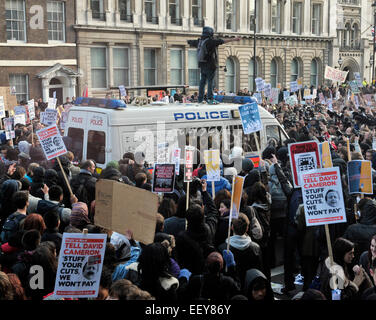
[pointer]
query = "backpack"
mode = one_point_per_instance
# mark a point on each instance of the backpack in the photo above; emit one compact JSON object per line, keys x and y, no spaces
{"x":11,"y":226}
{"x":79,"y":189}
{"x":202,"y":51}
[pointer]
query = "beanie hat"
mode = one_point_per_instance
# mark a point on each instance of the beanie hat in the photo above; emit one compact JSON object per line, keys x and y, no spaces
{"x":247,"y":165}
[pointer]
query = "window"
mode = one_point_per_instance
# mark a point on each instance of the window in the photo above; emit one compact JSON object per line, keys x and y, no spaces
{"x":97,"y":10}
{"x":96,"y":144}
{"x":316,"y":19}
{"x":294,"y":70}
{"x":230,"y":15}
{"x":174,"y":10}
{"x":176,"y":60}
{"x":56,"y":21}
{"x":197,"y":13}
{"x":230,"y":76}
{"x":193,"y":69}
{"x":15,"y":20}
{"x":276,"y":11}
{"x":151,"y":11}
{"x":274,"y":73}
{"x":347,"y":36}
{"x":125,"y":10}
{"x":77,"y":136}
{"x":251,"y":78}
{"x":121,"y":66}
{"x":355,"y":37}
{"x":297,"y":17}
{"x":21,"y":83}
{"x":252,"y":10}
{"x":150,"y":72}
{"x":276,"y":133}
{"x":98,"y":68}
{"x":314,"y":73}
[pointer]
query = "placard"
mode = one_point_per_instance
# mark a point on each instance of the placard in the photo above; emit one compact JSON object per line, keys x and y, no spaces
{"x":326,"y":157}
{"x":304,"y":156}
{"x":323,"y":197}
{"x":51,"y":103}
{"x":237,"y":196}
{"x":212,"y":162}
{"x":188,"y":163}
{"x":175,"y":158}
{"x":31,"y":109}
{"x":260,"y":84}
{"x":51,"y":142}
{"x":258,"y":97}
{"x":19,"y":110}
{"x":162,"y":152}
{"x":123,"y":92}
{"x":250,"y":116}
{"x":294,"y":86}
{"x":292,"y":100}
{"x":359,"y":173}
{"x":354,"y":87}
{"x":274,"y":96}
{"x":20,"y":118}
{"x":80,"y":265}
{"x":267,"y":89}
{"x":163,"y":177}
{"x":286,"y":94}
{"x":2,"y":107}
{"x":48,"y":117}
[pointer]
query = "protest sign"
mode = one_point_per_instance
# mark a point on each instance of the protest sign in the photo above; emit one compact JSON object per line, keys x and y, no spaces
{"x":323,"y":197}
{"x":120,"y":207}
{"x":267,"y":89}
{"x":358,"y":79}
{"x":335,"y":75}
{"x":258,"y":97}
{"x":274,"y":96}
{"x":162,"y":152}
{"x":188,"y":163}
{"x":294,"y":86}
{"x":259,"y":84}
{"x":314,"y":93}
{"x":123,"y":92}
{"x":51,"y":103}
{"x":307,"y":94}
{"x":20,"y":118}
{"x":359,"y":173}
{"x":212,"y":162}
{"x":354,"y":87}
{"x":48,"y":117}
{"x":292,"y":100}
{"x":368,"y":99}
{"x":304,"y":156}
{"x":80,"y":265}
{"x":326,"y":157}
{"x":9,"y":128}
{"x":51,"y":142}
{"x":19,"y":110}
{"x":237,"y":196}
{"x":163,"y":177}
{"x":286,"y":94}
{"x":2,"y":107}
{"x":10,"y":100}
{"x":299,"y":83}
{"x":255,"y":159}
{"x":250,"y":116}
{"x":175,"y":158}
{"x":330,"y":104}
{"x":31,"y":109}
{"x":322,"y":98}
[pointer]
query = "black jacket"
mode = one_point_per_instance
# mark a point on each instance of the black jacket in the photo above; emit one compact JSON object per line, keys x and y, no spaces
{"x":89,"y":184}
{"x":54,"y":236}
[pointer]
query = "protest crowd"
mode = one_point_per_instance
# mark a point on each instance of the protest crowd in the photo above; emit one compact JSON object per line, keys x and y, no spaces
{"x":192,"y":256}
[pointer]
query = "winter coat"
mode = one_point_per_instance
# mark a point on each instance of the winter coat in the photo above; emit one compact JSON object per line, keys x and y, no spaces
{"x":263,"y":216}
{"x":223,"y":183}
{"x":7,"y":207}
{"x":174,"y":225}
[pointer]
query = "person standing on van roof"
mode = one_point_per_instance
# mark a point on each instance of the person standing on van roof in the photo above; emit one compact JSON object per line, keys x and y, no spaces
{"x":207,"y":57}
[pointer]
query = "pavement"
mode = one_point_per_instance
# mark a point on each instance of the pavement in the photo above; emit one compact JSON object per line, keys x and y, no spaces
{"x":277,"y":284}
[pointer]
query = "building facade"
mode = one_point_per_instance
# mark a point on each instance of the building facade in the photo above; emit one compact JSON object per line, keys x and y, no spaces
{"x":38,"y":48}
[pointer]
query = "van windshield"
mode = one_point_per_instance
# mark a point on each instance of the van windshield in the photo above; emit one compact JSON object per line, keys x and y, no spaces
{"x":96,"y":144}
{"x":77,"y":136}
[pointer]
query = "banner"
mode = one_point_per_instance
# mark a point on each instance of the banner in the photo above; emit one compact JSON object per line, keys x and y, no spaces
{"x":237,"y":196}
{"x":304,"y":156}
{"x":48,"y":117}
{"x":335,"y":75}
{"x":164,"y":177}
{"x":212,"y":162}
{"x":175,"y":158}
{"x":80,"y":265}
{"x":323,"y":197}
{"x":51,"y":142}
{"x":326,"y":157}
{"x":359,"y":173}
{"x":250,"y":116}
{"x":2,"y":107}
{"x":188,"y":163}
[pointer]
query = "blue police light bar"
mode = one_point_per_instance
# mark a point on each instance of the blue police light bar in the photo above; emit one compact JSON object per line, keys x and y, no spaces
{"x":235,"y":99}
{"x":102,"y":103}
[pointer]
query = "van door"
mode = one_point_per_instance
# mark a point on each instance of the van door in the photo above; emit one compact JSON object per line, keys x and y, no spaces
{"x":76,"y":133}
{"x":97,"y":138}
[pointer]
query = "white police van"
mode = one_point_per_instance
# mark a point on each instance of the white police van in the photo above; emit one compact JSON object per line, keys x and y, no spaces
{"x":105,"y":129}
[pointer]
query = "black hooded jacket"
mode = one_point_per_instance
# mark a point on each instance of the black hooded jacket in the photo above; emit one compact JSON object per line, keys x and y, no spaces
{"x":251,"y":276}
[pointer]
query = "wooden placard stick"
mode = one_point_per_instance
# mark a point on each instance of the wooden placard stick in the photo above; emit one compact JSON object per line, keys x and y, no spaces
{"x":65,"y":177}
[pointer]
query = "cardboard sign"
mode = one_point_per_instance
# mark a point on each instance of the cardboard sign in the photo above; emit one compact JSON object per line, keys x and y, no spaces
{"x":323,"y":197}
{"x":212,"y":162}
{"x":250,"y":116}
{"x":31,"y":109}
{"x":359,"y":173}
{"x":20,"y":118}
{"x":304,"y":156}
{"x":188,"y":164}
{"x":48,"y":117}
{"x":175,"y":158}
{"x":260,"y":84}
{"x":80,"y":265}
{"x":51,"y":142}
{"x":326,"y":157}
{"x":120,"y":207}
{"x":163,"y":178}
{"x":335,"y":75}
{"x":2,"y":107}
{"x":237,"y":196}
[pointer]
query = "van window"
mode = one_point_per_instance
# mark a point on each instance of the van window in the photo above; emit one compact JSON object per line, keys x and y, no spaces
{"x":77,"y":136}
{"x":275,"y":132}
{"x":96,"y":145}
{"x":249,"y":143}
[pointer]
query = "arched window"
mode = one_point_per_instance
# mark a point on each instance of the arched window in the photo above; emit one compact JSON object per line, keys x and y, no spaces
{"x":346,"y":38}
{"x":252,"y":67}
{"x":294,"y":69}
{"x":314,"y":73}
{"x":230,"y":76}
{"x":274,"y":73}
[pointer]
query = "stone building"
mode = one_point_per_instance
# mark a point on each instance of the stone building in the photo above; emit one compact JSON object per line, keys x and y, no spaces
{"x":38,"y":48}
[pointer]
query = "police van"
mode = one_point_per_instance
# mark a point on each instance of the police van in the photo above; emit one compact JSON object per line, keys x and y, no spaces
{"x":105,"y":129}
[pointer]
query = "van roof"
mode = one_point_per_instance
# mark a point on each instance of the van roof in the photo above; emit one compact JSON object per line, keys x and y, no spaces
{"x":158,"y":112}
